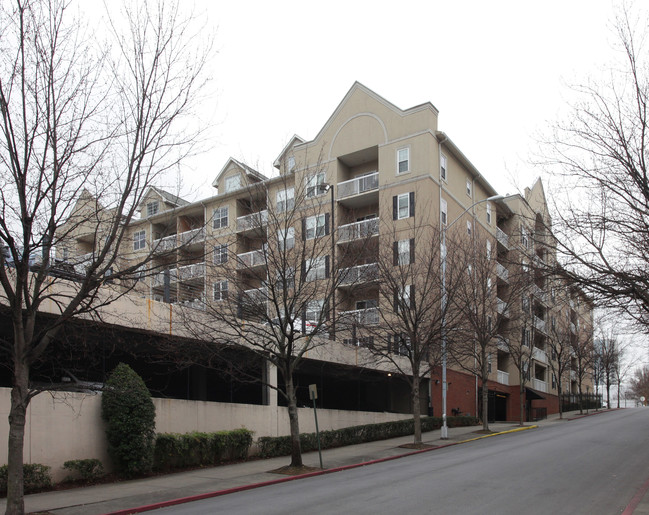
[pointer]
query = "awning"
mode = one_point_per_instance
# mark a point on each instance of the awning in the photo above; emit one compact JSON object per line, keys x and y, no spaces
{"x":532,"y":394}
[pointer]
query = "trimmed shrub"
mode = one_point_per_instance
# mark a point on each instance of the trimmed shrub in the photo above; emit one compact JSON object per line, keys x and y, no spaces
{"x":270,"y":446}
{"x":36,"y":477}
{"x":174,"y":450}
{"x":89,"y":469}
{"x":128,"y":410}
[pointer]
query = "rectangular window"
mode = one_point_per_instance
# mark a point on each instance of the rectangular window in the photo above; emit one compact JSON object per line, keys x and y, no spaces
{"x":314,"y":310}
{"x":489,"y":213}
{"x":220,"y":254}
{"x":291,"y":164}
{"x":526,"y":337}
{"x":140,"y":273}
{"x":468,"y":227}
{"x":443,"y":211}
{"x":403,"y":252}
{"x":442,"y":166}
{"x":152,"y":208}
{"x":232,"y":183}
{"x":139,"y":240}
{"x":317,"y":268}
{"x":220,"y":217}
{"x":403,"y":160}
{"x":404,"y":298}
{"x":315,"y":185}
{"x":468,"y":188}
{"x":525,"y":242}
{"x":285,"y":200}
{"x":315,"y":226}
{"x":285,"y":280}
{"x":220,"y":290}
{"x":65,"y":253}
{"x":403,"y":206}
{"x":286,"y":238}
{"x":488,"y":249}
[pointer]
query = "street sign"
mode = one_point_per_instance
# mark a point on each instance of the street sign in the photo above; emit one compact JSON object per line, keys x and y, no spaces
{"x":313,"y":392}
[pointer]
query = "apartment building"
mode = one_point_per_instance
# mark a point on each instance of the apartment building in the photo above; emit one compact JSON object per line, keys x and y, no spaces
{"x":374,"y":177}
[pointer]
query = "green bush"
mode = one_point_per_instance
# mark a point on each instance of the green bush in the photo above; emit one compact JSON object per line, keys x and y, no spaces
{"x":128,"y":410}
{"x":89,"y":469}
{"x":36,"y":477}
{"x":174,"y":450}
{"x":270,"y":446}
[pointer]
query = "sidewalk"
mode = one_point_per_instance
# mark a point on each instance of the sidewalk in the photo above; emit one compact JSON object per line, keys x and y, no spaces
{"x":129,"y":495}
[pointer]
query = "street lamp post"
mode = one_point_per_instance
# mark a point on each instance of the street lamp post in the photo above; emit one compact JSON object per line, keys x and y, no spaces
{"x":444,"y":343}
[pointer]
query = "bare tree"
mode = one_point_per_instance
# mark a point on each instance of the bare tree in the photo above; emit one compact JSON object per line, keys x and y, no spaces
{"x":274,"y":288}
{"x":80,"y":125}
{"x":602,"y":221}
{"x":606,"y":356}
{"x":416,"y":298}
{"x":581,"y":345}
{"x":640,"y":383}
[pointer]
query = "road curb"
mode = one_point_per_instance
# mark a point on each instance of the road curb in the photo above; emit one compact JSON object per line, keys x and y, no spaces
{"x":218,"y":493}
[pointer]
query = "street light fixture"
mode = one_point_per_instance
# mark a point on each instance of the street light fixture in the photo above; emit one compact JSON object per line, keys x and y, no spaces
{"x":444,"y":345}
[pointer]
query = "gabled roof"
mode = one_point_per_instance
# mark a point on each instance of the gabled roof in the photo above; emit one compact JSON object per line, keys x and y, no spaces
{"x":295,"y":140}
{"x":248,"y":171}
{"x":357,"y":86}
{"x":169,"y":198}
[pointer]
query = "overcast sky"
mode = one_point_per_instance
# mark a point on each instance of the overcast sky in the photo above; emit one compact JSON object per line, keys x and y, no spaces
{"x":496,"y":71}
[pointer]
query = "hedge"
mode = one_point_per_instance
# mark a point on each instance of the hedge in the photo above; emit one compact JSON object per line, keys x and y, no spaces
{"x":270,"y":446}
{"x":36,"y":477}
{"x":173,"y":450}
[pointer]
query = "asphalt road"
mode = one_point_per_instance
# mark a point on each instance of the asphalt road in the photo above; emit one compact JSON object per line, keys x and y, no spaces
{"x":593,"y":466}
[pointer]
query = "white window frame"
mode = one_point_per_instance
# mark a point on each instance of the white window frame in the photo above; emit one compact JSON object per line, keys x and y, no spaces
{"x":315,"y":226}
{"x":443,"y":211}
{"x":316,"y":268}
{"x":403,"y":252}
{"x":229,"y":183}
{"x":290,"y":164}
{"x":220,"y":254}
{"x":406,"y":208}
{"x":285,"y":200}
{"x":469,"y":188}
{"x":220,"y":217}
{"x":489,"y":213}
{"x":404,"y":296}
{"x":488,"y":249}
{"x":286,"y":238}
{"x":469,"y":227}
{"x":403,"y":156}
{"x":139,"y":239}
{"x":220,"y":290}
{"x":314,"y":309}
{"x":525,"y":241}
{"x":152,"y":208}
{"x":443,"y":167}
{"x":314,"y":184}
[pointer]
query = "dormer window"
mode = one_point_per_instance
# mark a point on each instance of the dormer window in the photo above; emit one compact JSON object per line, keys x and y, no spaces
{"x":232,"y":183}
{"x":152,"y":208}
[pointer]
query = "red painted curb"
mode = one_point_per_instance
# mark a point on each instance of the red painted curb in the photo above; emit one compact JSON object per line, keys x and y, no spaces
{"x":218,"y":493}
{"x":636,"y":499}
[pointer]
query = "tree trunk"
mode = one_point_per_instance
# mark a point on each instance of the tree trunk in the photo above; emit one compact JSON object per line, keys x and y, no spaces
{"x":296,"y":451}
{"x":17,"y":416}
{"x":522,"y":401}
{"x":485,"y":397}
{"x":416,"y":409}
{"x":608,"y":395}
{"x":581,"y":405}
{"x":560,"y":403}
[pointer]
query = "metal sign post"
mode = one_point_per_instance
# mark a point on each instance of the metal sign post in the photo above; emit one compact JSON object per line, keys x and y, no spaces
{"x":313,"y":393}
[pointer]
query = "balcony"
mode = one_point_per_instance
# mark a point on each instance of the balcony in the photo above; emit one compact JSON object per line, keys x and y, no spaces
{"x":502,"y":343}
{"x":573,"y":375}
{"x":192,"y":237}
{"x":251,"y":259}
{"x":166,"y":244}
{"x":159,"y":278}
{"x":190,"y":272}
{"x":363,"y":317}
{"x":253,"y":221}
{"x":502,"y":238}
{"x":501,"y":307}
{"x":502,"y":272}
{"x":539,"y":294}
{"x":81,"y":263}
{"x":359,"y":274}
{"x":503,"y":377}
{"x":540,"y":385}
{"x":198,"y":303}
{"x":539,"y":324}
{"x":360,"y":191}
{"x":255,"y":295}
{"x":358,"y":230}
{"x":539,"y":355}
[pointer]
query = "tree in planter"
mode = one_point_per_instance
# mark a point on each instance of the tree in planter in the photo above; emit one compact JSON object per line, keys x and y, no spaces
{"x":79,"y":124}
{"x":128,"y":410}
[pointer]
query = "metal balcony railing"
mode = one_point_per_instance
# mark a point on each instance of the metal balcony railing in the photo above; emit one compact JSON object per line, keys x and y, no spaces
{"x":358,"y":230}
{"x":159,"y":278}
{"x":193,"y":236}
{"x":165,"y":244}
{"x":502,"y":272}
{"x":502,"y":237}
{"x":503,"y":377}
{"x":539,"y":355}
{"x":359,"y":274}
{"x":252,"y":221}
{"x":358,"y":185}
{"x":369,"y":316}
{"x":251,"y":259}
{"x":539,"y":385}
{"x":188,"y":272}
{"x":255,"y":295}
{"x":539,"y":323}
